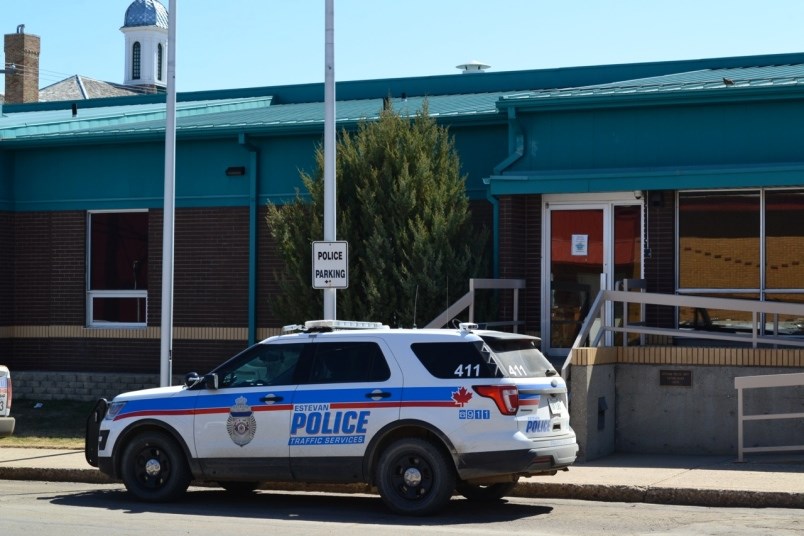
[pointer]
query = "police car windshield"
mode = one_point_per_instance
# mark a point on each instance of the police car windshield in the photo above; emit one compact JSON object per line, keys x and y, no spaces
{"x":519,"y":357}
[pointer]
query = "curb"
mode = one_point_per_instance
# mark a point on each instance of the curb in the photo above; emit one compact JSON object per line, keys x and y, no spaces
{"x":533,"y":490}
{"x":660,"y":495}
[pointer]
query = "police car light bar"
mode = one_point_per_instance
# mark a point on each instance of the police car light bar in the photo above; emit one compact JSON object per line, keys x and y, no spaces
{"x":342,"y":324}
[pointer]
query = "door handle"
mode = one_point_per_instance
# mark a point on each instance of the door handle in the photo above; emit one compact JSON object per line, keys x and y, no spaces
{"x":378,"y":394}
{"x":271,"y":398}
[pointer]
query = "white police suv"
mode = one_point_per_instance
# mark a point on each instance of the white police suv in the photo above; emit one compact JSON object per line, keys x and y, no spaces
{"x":416,"y":413}
{"x":6,"y":420}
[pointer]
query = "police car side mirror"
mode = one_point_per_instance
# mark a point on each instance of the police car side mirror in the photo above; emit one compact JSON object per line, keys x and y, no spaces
{"x":211,"y":381}
{"x":191,"y":379}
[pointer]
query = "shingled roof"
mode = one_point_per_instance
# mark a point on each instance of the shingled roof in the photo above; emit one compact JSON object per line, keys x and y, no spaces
{"x":79,"y":87}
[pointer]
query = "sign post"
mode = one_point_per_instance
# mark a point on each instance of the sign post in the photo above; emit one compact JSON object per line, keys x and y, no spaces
{"x":331,"y":264}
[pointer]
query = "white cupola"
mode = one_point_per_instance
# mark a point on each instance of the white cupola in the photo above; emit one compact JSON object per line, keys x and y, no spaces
{"x":146,"y":31}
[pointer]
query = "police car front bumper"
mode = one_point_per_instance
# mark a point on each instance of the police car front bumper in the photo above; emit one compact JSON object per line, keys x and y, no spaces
{"x":551,"y":457}
{"x":6,"y":426}
{"x":106,"y":466}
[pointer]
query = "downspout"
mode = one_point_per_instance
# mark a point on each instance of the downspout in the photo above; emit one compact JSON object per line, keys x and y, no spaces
{"x":252,"y":236}
{"x":495,"y":231}
{"x":516,"y":144}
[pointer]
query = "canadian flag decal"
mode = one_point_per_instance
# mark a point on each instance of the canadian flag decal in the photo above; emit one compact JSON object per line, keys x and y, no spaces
{"x":462,"y":396}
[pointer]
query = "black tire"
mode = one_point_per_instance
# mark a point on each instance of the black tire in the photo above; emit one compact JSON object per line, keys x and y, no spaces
{"x":154,"y":468}
{"x":239,"y":488}
{"x":487,"y":493}
{"x":414,"y":477}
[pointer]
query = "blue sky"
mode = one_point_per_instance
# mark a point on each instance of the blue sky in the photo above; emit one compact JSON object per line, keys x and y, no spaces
{"x":245,"y":43}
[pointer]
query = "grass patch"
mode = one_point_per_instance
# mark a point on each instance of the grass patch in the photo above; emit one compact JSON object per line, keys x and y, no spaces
{"x":48,"y":423}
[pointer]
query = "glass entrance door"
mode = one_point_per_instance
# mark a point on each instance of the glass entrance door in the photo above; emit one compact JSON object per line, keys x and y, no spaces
{"x":589,"y":246}
{"x":576,"y":264}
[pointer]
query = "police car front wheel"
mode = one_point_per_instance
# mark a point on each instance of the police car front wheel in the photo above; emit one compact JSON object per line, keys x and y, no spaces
{"x":154,"y":468}
{"x":415,"y":477}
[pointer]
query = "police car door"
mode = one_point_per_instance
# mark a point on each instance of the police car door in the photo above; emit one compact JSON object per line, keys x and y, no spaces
{"x":352,"y":390}
{"x":240,"y":427}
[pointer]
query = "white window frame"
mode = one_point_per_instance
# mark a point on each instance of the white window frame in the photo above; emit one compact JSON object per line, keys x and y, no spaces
{"x":91,"y":295}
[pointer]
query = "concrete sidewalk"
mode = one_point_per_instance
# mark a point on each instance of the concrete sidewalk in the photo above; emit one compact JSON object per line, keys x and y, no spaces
{"x":762,"y":481}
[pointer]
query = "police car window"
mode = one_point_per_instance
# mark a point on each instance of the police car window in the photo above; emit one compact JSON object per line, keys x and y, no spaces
{"x":455,"y":360}
{"x":519,"y":357}
{"x":348,"y":362}
{"x":264,"y":364}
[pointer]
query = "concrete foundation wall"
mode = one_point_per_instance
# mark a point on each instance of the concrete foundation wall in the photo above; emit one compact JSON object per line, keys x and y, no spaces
{"x":679,"y":400}
{"x":701,"y":418}
{"x":592,"y":410}
{"x":79,"y":385}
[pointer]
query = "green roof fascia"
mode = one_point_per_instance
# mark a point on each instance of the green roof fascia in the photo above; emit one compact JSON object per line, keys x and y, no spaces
{"x":104,"y":135}
{"x":657,"y":98}
{"x":680,"y":178}
{"x":47,"y":123}
{"x":142,"y":136}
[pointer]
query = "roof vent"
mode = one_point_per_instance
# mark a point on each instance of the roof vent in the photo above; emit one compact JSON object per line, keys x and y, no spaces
{"x":473,"y":66}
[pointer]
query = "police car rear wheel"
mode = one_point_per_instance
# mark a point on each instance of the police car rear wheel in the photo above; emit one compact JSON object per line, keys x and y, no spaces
{"x":154,"y":468}
{"x":415,"y":477}
{"x":491,"y":492}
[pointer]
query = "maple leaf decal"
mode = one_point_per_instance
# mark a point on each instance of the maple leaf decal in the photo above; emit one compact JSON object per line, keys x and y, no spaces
{"x":462,"y":396}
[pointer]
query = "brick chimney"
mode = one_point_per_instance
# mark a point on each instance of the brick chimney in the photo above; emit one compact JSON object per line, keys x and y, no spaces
{"x":22,"y":51}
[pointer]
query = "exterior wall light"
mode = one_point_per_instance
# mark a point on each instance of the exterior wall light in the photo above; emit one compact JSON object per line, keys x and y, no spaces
{"x":235,"y":171}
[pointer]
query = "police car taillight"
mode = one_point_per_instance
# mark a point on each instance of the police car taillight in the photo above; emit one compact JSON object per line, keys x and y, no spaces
{"x":505,"y":396}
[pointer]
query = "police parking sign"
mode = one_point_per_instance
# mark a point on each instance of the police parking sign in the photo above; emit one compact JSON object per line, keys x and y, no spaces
{"x":330,"y":264}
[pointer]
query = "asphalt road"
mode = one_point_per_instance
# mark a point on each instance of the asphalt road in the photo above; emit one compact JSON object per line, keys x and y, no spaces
{"x":61,"y":508}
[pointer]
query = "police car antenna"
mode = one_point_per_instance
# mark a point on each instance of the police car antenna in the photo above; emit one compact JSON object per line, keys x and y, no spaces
{"x":415,"y":305}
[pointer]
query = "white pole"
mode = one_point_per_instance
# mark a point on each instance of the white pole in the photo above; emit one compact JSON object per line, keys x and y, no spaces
{"x":166,"y":353}
{"x":330,"y":296}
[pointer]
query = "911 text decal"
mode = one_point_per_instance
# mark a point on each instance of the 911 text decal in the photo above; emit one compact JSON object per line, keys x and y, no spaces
{"x":316,"y":424}
{"x":474,"y":414}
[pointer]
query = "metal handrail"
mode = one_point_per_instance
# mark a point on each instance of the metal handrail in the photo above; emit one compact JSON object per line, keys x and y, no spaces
{"x":468,"y":301}
{"x":766,"y":381}
{"x":755,"y":337}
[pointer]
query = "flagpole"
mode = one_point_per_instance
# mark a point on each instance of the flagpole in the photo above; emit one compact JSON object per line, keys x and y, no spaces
{"x":169,"y":213}
{"x":330,"y":294}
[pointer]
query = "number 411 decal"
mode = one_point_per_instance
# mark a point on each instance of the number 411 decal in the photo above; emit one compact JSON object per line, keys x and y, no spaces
{"x":468,"y":371}
{"x":474,"y":371}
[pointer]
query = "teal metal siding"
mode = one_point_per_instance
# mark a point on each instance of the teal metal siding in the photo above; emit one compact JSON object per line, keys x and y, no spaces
{"x":6,"y":181}
{"x":680,"y":136}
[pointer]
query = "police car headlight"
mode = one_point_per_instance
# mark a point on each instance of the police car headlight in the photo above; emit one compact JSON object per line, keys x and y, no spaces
{"x":114,"y":409}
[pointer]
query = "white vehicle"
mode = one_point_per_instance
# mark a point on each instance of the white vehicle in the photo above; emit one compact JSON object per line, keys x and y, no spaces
{"x":416,"y":413}
{"x":6,"y":420}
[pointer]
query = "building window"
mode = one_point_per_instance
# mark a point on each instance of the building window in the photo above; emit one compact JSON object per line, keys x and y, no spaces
{"x":159,"y":56}
{"x":136,"y":59}
{"x":117,"y":292}
{"x":744,"y":245}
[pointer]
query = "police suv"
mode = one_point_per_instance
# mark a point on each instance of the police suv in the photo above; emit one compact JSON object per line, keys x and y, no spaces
{"x":417,"y":413}
{"x":6,"y":420}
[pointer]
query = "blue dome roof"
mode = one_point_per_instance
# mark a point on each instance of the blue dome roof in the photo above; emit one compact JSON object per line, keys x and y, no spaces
{"x":146,"y":13}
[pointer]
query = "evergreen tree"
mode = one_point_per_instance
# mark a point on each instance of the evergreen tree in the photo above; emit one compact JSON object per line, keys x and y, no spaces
{"x":402,"y":206}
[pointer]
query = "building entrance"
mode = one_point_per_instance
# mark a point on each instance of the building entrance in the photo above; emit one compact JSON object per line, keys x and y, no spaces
{"x":590,"y":243}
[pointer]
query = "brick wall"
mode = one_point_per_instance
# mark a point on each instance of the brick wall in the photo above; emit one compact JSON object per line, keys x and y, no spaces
{"x":660,"y":266}
{"x":520,"y":236}
{"x":50,"y":268}
{"x":211,"y":267}
{"x":47,"y":290}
